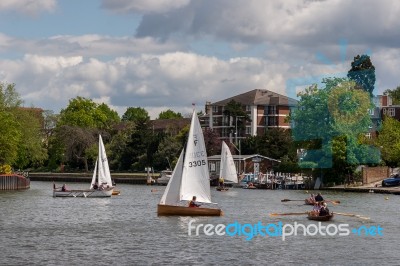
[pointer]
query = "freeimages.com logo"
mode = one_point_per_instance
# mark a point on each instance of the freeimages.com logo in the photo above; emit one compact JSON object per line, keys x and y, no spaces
{"x":249,"y":231}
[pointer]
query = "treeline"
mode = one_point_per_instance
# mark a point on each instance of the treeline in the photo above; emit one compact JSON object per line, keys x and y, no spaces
{"x":330,"y":126}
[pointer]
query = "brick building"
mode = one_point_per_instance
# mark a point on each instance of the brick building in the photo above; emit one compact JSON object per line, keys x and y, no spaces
{"x":265,"y":108}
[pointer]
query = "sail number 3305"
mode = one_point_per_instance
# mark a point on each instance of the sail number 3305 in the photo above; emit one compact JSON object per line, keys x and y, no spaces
{"x":197,"y":163}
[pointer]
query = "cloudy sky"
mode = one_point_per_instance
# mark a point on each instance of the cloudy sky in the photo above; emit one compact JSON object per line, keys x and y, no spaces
{"x":168,"y":54}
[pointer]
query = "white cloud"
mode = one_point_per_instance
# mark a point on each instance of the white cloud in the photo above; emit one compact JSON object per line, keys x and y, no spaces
{"x":28,"y":6}
{"x":159,"y":69}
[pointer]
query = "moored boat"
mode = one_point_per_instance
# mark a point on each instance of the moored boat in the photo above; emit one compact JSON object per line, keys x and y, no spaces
{"x":320,"y":218}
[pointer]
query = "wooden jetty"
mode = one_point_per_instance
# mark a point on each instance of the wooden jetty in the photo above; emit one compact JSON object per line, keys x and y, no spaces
{"x":14,"y":182}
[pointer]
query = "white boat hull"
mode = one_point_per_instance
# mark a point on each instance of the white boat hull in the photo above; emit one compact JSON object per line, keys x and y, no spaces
{"x":89,"y":193}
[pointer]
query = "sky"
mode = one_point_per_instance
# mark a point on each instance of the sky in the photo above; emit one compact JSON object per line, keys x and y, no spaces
{"x":169,"y":54}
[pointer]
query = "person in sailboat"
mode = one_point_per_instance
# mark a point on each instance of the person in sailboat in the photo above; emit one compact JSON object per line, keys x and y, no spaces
{"x":95,"y":186}
{"x":193,"y":203}
{"x":221,"y":181}
{"x":64,"y":188}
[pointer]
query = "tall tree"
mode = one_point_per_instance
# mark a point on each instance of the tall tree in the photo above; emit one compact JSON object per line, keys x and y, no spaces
{"x":85,"y":113}
{"x":363,"y":73}
{"x":389,"y":140}
{"x":78,"y":125}
{"x":331,"y":119}
{"x":169,"y":114}
{"x":137,"y":115}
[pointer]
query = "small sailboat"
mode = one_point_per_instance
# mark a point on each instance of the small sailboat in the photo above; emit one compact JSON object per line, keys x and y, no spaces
{"x":101,"y":185}
{"x":189,"y":178}
{"x":227,"y":167}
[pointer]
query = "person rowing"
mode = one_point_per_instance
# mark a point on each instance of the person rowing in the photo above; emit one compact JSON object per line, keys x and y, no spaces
{"x":319,"y":197}
{"x":324,"y":211}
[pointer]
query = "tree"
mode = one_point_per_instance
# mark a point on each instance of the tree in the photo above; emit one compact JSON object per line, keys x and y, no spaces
{"x":136,"y":115}
{"x":237,"y":117}
{"x":77,"y":141}
{"x":363,"y":73}
{"x":394,"y":94}
{"x":78,"y":126}
{"x":32,"y":151}
{"x":330,"y":121}
{"x":212,"y":141}
{"x":389,"y":140}
{"x":169,"y":114}
{"x":85,"y":113}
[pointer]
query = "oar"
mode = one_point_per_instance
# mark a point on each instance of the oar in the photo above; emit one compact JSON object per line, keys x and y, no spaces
{"x":352,"y":215}
{"x":335,"y":202}
{"x":287,"y":213}
{"x":284,"y":200}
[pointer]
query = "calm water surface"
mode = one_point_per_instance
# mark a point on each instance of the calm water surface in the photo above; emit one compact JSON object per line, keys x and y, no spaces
{"x":37,"y":229}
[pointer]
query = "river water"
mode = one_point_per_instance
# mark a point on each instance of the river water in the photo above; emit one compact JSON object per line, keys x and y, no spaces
{"x":37,"y":229}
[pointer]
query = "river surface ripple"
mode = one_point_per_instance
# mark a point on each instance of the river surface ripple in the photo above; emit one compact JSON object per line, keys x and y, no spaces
{"x":37,"y":229}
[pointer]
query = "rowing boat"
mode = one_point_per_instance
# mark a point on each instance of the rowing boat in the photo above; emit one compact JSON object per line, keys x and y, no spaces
{"x":320,"y":218}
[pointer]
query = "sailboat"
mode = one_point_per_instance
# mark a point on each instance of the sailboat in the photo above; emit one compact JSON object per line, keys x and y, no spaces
{"x":189,"y":178}
{"x":101,"y":185}
{"x":227,"y":167}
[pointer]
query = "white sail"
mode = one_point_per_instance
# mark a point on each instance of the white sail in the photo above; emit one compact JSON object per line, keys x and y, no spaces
{"x":94,"y":175}
{"x":171,"y":193}
{"x":227,"y":166}
{"x":104,"y":176}
{"x":195,"y":175}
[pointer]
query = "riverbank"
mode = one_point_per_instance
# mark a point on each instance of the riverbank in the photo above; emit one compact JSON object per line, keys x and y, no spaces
{"x":118,"y":178}
{"x":141,"y":179}
{"x":366,"y":189}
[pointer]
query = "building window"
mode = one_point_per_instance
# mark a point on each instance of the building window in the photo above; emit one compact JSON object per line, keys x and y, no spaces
{"x":215,"y":109}
{"x":248,"y":130}
{"x":248,"y":108}
{"x":368,"y":135}
{"x":272,"y":121}
{"x":272,"y":110}
{"x":391,"y":112}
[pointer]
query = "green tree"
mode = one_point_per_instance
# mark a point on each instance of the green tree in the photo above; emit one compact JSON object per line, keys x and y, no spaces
{"x":394,"y":94}
{"x":78,"y":127}
{"x":330,"y":121}
{"x":169,"y":114}
{"x":363,"y":73}
{"x":32,"y":151}
{"x":389,"y":141}
{"x":85,"y":113}
{"x":137,"y":115}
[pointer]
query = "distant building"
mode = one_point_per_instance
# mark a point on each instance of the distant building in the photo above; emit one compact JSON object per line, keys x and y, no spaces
{"x":265,"y":108}
{"x":383,"y":108}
